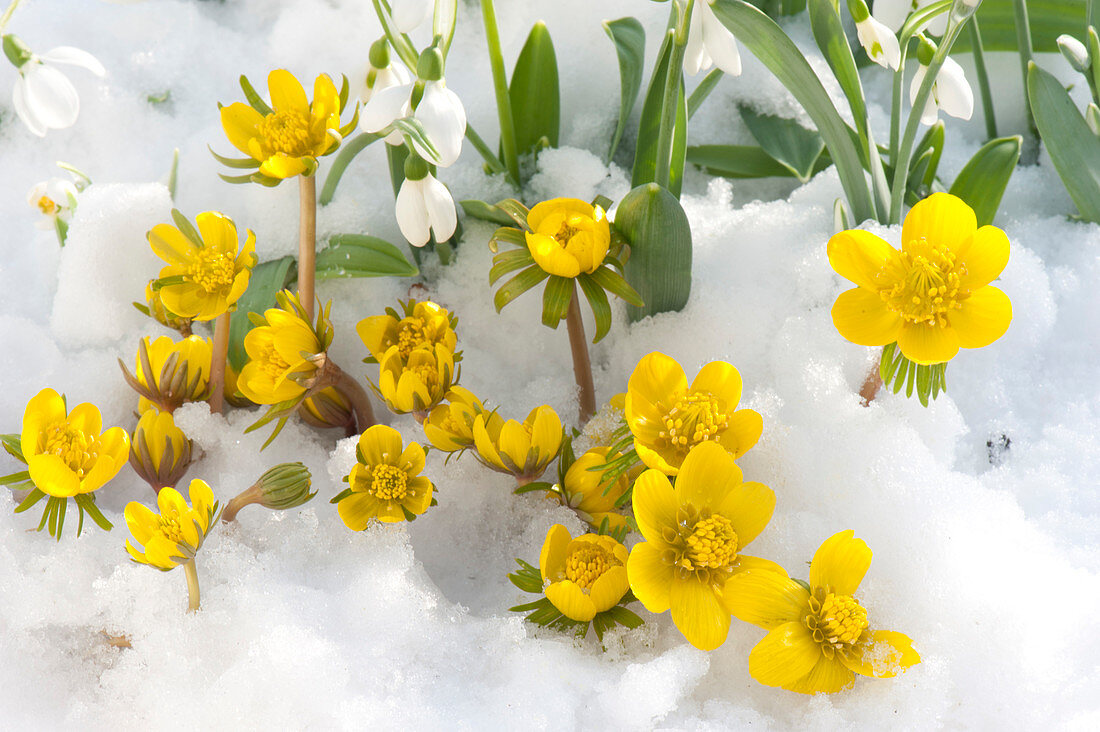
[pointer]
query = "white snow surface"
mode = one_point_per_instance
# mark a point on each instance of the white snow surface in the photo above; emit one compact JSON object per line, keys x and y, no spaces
{"x":987,"y":558}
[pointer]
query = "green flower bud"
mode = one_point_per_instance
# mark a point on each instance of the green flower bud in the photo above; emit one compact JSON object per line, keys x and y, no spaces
{"x":285,"y":486}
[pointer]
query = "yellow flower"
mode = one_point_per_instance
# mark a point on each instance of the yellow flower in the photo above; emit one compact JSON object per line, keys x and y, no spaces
{"x":282,"y":353}
{"x":817,"y":638}
{"x":582,"y":576}
{"x":385,"y":483}
{"x":424,"y":325}
{"x":160,"y":452}
{"x":206,"y":274}
{"x":66,"y":453}
{"x":327,"y":408}
{"x":694,"y":533}
{"x":450,"y":427}
{"x":933,"y":296}
{"x":168,"y":373}
{"x":568,"y":236}
{"x":173,"y":536}
{"x":287,"y":141}
{"x":154,"y":308}
{"x":583,"y":490}
{"x":668,"y":418}
{"x":522,"y":449}
{"x":418,"y":383}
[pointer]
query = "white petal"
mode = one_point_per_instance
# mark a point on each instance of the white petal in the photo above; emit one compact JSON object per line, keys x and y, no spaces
{"x":394,"y":138}
{"x":956,"y":98}
{"x":409,"y":14}
{"x":384,"y":107}
{"x":36,"y":192}
{"x":74,"y":57}
{"x":880,"y":43}
{"x":695,"y":54}
{"x":51,"y":96}
{"x":412,"y":213}
{"x":720,"y":44}
{"x":59,"y":190}
{"x":441,"y":208}
{"x":893,"y":12}
{"x":444,"y":119}
{"x":938,"y":25}
{"x":18,"y":98}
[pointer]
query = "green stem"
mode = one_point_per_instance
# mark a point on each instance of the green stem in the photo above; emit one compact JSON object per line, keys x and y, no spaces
{"x":192,"y":586}
{"x":1023,"y":44}
{"x":500,"y":87}
{"x":983,"y":79}
{"x":706,"y":86}
{"x":487,"y":154}
{"x":347,"y":153}
{"x":400,"y":42}
{"x":671,"y":98}
{"x":1092,"y":14}
{"x":8,"y":13}
{"x":895,"y":105}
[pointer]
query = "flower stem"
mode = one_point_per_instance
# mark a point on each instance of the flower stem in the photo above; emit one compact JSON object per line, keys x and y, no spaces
{"x":8,"y":13}
{"x":307,"y":240}
{"x":217,"y":363}
{"x":1023,"y":45}
{"x":245,"y":498}
{"x":360,"y":403}
{"x":192,"y":586}
{"x":670,"y":102}
{"x":500,"y":87}
{"x":582,"y":366}
{"x":982,"y":73}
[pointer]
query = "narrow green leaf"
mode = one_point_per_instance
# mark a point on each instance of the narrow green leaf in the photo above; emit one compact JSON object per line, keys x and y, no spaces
{"x":649,"y":126}
{"x":830,"y":37}
{"x":255,"y":100}
{"x":518,"y":285}
{"x":615,"y":284}
{"x":533,"y":92}
{"x":737,"y":161}
{"x":186,"y":227}
{"x":485,"y":212}
{"x":267,"y":278}
{"x":343,"y":158}
{"x":1048,"y":20}
{"x":14,"y":447}
{"x":509,"y":261}
{"x":555,"y":300}
{"x":234,"y":162}
{"x":786,"y":141}
{"x":360,"y":255}
{"x":628,"y":35}
{"x":597,"y":300}
{"x":983,"y":181}
{"x":87,"y":504}
{"x":706,"y":86}
{"x":508,"y":235}
{"x":20,"y":477}
{"x":534,"y":487}
{"x":32,"y":498}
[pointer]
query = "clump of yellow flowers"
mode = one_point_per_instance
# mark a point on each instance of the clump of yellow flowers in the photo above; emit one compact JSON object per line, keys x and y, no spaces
{"x":385,"y":483}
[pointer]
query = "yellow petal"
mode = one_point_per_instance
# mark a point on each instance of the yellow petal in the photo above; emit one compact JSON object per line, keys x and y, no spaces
{"x":609,"y":588}
{"x":373,"y":330}
{"x":419,"y":497}
{"x":657,"y":377}
{"x":281,"y":165}
{"x":749,"y":508}
{"x":105,"y":468}
{"x":650,"y":577}
{"x":698,"y":613}
{"x":766,"y":599}
{"x":860,"y":256}
{"x":666,"y":461}
{"x":840,"y":563}
{"x":326,"y":99}
{"x":547,"y":217}
{"x":886,"y":655}
{"x":202,"y":497}
{"x":787,"y":654}
{"x":983,"y":318}
{"x":141,"y":521}
{"x":380,"y":444}
{"x":514,"y":442}
{"x":484,"y":444}
{"x":412,"y":459}
{"x":217,"y":232}
{"x":357,"y":510}
{"x":554,"y":551}
{"x":654,"y":504}
{"x":549,"y":255}
{"x":829,"y":676}
{"x":928,"y":344}
{"x":707,"y":475}
{"x":170,"y":502}
{"x":287,"y":94}
{"x":942,"y":219}
{"x":862,"y":317}
{"x":982,"y":259}
{"x":240,"y":121}
{"x":722,"y":381}
{"x":171,"y":245}
{"x":52,"y":476}
{"x":46,"y":408}
{"x":571,"y":601}
{"x":546,"y":432}
{"x":86,"y":418}
{"x":743,"y":432}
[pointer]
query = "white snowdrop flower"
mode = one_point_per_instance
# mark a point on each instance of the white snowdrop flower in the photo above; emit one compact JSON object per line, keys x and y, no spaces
{"x":895,"y":12}
{"x":951,"y":92}
{"x":880,"y":43}
{"x":385,"y":107}
{"x":409,"y":14}
{"x":380,"y":79}
{"x":441,"y":113}
{"x":55,"y":199}
{"x":424,"y":206}
{"x":43,"y":96}
{"x":710,"y":43}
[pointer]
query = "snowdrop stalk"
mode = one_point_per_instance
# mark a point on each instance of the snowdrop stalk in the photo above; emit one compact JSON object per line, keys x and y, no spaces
{"x":679,"y":39}
{"x":982,"y":74}
{"x":500,"y":87}
{"x":8,"y":12}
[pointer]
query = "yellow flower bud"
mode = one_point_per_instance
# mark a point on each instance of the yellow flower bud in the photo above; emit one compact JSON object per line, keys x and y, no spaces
{"x":585,"y":491}
{"x":418,"y":383}
{"x":160,"y":452}
{"x":168,"y":373}
{"x":450,"y":427}
{"x":523,"y":449}
{"x":568,"y":236}
{"x":284,"y":353}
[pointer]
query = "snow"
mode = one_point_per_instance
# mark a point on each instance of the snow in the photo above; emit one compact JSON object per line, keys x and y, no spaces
{"x":987,"y":556}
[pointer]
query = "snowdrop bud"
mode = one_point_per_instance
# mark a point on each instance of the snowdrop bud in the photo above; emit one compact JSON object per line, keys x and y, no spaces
{"x":16,"y":51}
{"x":382,"y":75}
{"x":380,"y":53}
{"x":409,"y":14}
{"x":424,"y":205}
{"x":1092,"y":116}
{"x":1074,"y":52}
{"x":879,"y":41}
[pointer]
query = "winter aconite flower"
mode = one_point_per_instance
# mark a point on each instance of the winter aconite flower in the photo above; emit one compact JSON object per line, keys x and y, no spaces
{"x":694,"y":534}
{"x":173,"y":536}
{"x":417,"y":383}
{"x":586,"y":492}
{"x":206,"y":273}
{"x":421,"y":325}
{"x":385,"y":483}
{"x":450,"y":426}
{"x":582,"y":576}
{"x":43,"y":96}
{"x":710,"y":43}
{"x":67,"y":452}
{"x":522,"y":449}
{"x":159,"y":452}
{"x":817,"y":638}
{"x":168,"y":373}
{"x":668,"y":417}
{"x":931,"y":297}
{"x":282,"y":353}
{"x":568,"y":236}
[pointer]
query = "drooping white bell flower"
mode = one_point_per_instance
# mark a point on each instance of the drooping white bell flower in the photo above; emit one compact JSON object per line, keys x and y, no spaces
{"x":385,"y":107}
{"x":409,"y":14}
{"x":894,"y":13}
{"x":710,"y":43}
{"x":439,"y":111}
{"x":951,"y":92}
{"x":43,"y":96}
{"x":424,"y":206}
{"x":879,"y":41}
{"x":55,"y":199}
{"x":381,"y":73}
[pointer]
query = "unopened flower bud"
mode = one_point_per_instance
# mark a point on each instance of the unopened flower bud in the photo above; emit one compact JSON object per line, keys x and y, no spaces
{"x":284,"y":486}
{"x":1074,"y":52}
{"x":159,"y":451}
{"x":1092,"y":117}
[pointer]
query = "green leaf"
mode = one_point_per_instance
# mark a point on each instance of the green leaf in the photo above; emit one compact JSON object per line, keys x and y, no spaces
{"x":87,"y":504}
{"x":770,"y":44}
{"x":615,"y":284}
{"x":32,"y":498}
{"x":348,"y":150}
{"x":21,"y":477}
{"x":1073,"y":149}
{"x":255,"y":100}
{"x":266,"y":279}
{"x":14,"y":447}
{"x":534,"y":487}
{"x":518,"y":285}
{"x":649,"y":128}
{"x":555,"y":300}
{"x":508,"y":235}
{"x":706,"y":86}
{"x":628,"y":35}
{"x":359,"y":255}
{"x":485,"y":212}
{"x":830,"y":37}
{"x":1048,"y":19}
{"x":737,"y":161}
{"x":186,"y":228}
{"x":787,"y":142}
{"x":534,"y":93}
{"x":659,"y":268}
{"x":597,"y":300}
{"x":509,"y":261}
{"x":983,"y":181}
{"x":234,"y":162}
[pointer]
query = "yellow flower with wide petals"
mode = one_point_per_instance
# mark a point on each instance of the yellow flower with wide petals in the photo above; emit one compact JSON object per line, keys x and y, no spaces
{"x":287,"y":141}
{"x":159,"y":452}
{"x":585,"y":491}
{"x":694,"y":534}
{"x":423,"y":325}
{"x":168,"y":373}
{"x":206,"y":273}
{"x":418,"y":383}
{"x":933,"y":296}
{"x":668,"y":418}
{"x":173,"y":536}
{"x":67,"y":452}
{"x":568,"y":236}
{"x":582,"y":576}
{"x":385,"y":483}
{"x":818,"y":639}
{"x":450,"y":427}
{"x":522,"y":449}
{"x":281,"y":355}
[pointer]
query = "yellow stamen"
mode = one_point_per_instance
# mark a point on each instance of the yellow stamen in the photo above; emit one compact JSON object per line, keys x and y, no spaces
{"x":930,"y":287}
{"x":48,"y":206}
{"x":587,"y":563}
{"x":388,"y":483}
{"x":169,"y":527}
{"x":286,"y":132}
{"x":836,"y":620}
{"x":273,"y":364}
{"x":410,"y":336}
{"x":71,"y":445}
{"x":695,"y":418}
{"x":212,"y":270}
{"x":712,"y":543}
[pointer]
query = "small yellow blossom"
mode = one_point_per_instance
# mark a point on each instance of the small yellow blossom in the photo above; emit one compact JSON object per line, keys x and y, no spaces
{"x":817,"y":639}
{"x":173,"y":536}
{"x":568,"y":236}
{"x":385,"y":483}
{"x":206,"y":274}
{"x":159,"y":452}
{"x":424,"y":324}
{"x":154,"y":308}
{"x":418,"y":383}
{"x":582,"y":576}
{"x":933,"y":296}
{"x":585,"y":491}
{"x":67,"y":452}
{"x":450,"y":427}
{"x":694,"y":534}
{"x":668,"y":417}
{"x":168,"y":373}
{"x":522,"y":449}
{"x":282,"y":353}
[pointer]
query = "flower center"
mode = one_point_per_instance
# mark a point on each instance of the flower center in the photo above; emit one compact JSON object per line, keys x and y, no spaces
{"x":286,"y":132}
{"x":47,"y":205}
{"x":72,"y":446}
{"x":170,"y":528}
{"x":212,"y":270}
{"x":410,"y":336}
{"x":695,"y":418}
{"x":427,"y":373}
{"x":587,"y":563}
{"x":273,"y":364}
{"x":388,"y":483}
{"x":836,"y":620}
{"x":712,"y":544}
{"x":930,"y":287}
{"x":572,"y":240}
